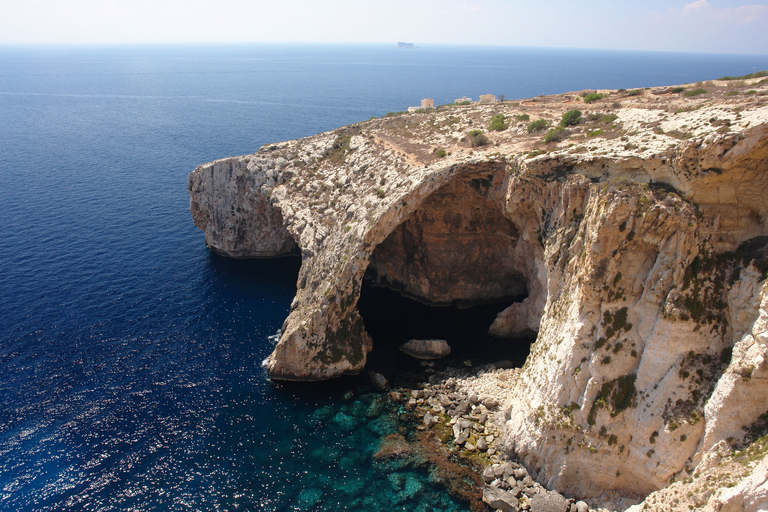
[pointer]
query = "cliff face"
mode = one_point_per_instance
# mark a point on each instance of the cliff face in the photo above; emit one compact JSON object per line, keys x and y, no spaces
{"x":641,"y":241}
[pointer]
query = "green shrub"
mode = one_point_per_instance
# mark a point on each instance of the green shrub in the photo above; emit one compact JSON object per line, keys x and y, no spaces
{"x":634,"y":92}
{"x":571,"y":118}
{"x":556,"y":134}
{"x":592,"y":97}
{"x":441,"y":153}
{"x":498,"y":123}
{"x":677,"y":90}
{"x":694,"y":92}
{"x":538,"y":126}
{"x":380,"y":193}
{"x":523,"y":117}
{"x":595,"y":133}
{"x":477,"y":138}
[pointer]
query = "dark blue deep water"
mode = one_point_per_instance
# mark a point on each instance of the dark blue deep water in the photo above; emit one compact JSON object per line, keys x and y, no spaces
{"x":130,"y":374}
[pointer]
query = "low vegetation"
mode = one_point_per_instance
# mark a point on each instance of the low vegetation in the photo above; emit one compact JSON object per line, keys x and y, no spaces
{"x":571,"y":118}
{"x":556,"y":134}
{"x":758,"y":74}
{"x":477,"y":138}
{"x":538,"y":126}
{"x":616,"y":396}
{"x":694,"y":92}
{"x":498,"y":123}
{"x":592,"y":97}
{"x":337,"y":152}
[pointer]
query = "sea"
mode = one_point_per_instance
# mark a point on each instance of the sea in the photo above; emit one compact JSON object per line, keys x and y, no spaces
{"x":130,"y":355}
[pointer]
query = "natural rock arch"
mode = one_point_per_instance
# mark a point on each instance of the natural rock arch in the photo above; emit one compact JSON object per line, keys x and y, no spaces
{"x":455,"y":249}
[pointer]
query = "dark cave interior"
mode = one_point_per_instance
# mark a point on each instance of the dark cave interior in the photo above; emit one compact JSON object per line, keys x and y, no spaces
{"x":392,"y":319}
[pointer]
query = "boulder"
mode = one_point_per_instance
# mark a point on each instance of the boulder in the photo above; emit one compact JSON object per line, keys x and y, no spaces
{"x":378,"y":381}
{"x":581,"y":506}
{"x":550,"y":501}
{"x":426,"y":349}
{"x":500,"y":500}
{"x":430,"y":420}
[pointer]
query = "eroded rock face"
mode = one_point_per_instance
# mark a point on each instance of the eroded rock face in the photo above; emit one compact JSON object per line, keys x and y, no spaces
{"x":227,"y":204}
{"x":457,"y":247}
{"x":652,"y":323}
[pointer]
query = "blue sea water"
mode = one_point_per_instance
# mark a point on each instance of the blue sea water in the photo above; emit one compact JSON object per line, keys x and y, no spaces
{"x":130,"y":374}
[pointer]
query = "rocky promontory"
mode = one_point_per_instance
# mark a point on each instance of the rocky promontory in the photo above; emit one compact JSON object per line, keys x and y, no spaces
{"x":634,"y":223}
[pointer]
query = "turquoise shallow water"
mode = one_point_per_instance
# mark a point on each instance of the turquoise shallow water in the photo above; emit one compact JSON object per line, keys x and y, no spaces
{"x":130,"y":374}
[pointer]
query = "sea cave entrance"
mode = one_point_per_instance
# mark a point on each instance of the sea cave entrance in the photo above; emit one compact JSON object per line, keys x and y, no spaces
{"x":446,"y":272}
{"x":391,"y":319}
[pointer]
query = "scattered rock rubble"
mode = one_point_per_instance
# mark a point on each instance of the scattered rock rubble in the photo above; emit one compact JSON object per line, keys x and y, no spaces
{"x":449,"y":403}
{"x":510,"y":488}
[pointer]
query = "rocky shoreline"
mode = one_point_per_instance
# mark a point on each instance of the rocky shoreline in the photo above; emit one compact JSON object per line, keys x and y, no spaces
{"x":461,"y":419}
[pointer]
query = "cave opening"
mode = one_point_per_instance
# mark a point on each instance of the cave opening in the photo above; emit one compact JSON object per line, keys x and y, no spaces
{"x":447,"y":272}
{"x":391,"y":319}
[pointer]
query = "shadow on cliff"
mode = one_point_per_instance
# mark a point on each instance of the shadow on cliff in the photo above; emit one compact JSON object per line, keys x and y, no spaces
{"x":392,"y":319}
{"x":281,"y":272}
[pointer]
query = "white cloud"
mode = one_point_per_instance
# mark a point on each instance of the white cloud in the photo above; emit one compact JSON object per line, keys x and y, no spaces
{"x":703,"y":11}
{"x":696,"y":6}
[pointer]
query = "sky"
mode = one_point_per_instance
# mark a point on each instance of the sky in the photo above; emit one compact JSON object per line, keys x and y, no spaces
{"x":711,"y":26}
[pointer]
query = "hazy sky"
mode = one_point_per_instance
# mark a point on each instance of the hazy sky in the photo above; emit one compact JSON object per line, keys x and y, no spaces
{"x":730,"y":26}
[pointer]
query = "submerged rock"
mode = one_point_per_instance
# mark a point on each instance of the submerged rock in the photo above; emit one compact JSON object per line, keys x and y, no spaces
{"x":393,"y":446}
{"x":426,"y":349}
{"x":308,"y":498}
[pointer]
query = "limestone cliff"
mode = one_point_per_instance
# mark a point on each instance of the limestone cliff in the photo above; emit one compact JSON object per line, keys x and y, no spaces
{"x":639,"y":236}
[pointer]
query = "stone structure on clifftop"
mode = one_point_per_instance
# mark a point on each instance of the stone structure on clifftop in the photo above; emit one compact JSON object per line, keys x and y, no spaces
{"x":639,"y":236}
